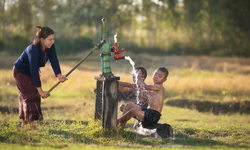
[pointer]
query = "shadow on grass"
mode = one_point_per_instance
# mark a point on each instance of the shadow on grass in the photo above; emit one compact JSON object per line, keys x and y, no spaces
{"x":68,"y":122}
{"x":60,"y":107}
{"x":46,"y":122}
{"x":8,"y":110}
{"x":67,"y":135}
{"x":185,"y":140}
{"x":11,"y":132}
{"x":214,"y":107}
{"x":58,"y":135}
{"x":69,"y":131}
{"x":14,"y":110}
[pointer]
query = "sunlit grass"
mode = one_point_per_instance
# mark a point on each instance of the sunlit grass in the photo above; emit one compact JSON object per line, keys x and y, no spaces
{"x":188,"y":82}
{"x":69,"y":111}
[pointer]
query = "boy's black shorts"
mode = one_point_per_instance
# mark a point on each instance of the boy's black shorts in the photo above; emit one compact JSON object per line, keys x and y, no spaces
{"x":150,"y":117}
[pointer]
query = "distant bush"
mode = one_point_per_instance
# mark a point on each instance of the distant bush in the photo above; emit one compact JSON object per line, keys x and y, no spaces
{"x":1,"y":45}
{"x":16,"y":43}
{"x":79,"y":44}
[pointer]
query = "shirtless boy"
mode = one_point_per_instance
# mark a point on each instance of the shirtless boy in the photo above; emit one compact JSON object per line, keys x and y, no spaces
{"x":141,"y":94}
{"x":152,"y":113}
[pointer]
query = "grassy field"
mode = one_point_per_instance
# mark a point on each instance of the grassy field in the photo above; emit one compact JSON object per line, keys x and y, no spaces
{"x":207,"y":102}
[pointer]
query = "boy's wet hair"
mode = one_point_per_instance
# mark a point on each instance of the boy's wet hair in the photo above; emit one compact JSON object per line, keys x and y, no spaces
{"x":143,"y":71}
{"x":163,"y":69}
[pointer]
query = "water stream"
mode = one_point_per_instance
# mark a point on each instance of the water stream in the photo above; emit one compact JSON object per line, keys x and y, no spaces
{"x":131,"y":62}
{"x":133,"y":72}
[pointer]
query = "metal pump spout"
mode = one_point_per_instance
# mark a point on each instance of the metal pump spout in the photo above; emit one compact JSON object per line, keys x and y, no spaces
{"x":117,"y":52}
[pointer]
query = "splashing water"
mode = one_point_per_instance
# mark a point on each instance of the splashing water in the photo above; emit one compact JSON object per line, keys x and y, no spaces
{"x":145,"y":131}
{"x":131,"y":62}
{"x":133,"y":66}
{"x":133,"y":72}
{"x":115,"y":38}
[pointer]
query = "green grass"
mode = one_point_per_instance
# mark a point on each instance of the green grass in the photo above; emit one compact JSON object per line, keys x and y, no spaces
{"x":206,"y":118}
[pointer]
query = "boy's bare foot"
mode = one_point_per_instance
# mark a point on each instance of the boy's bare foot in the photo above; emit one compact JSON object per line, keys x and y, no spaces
{"x":123,"y":124}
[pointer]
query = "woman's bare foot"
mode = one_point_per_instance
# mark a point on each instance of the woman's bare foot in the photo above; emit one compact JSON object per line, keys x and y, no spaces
{"x":23,"y":124}
{"x":31,"y":123}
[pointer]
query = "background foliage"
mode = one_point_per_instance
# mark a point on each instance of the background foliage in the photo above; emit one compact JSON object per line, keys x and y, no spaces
{"x":180,"y":27}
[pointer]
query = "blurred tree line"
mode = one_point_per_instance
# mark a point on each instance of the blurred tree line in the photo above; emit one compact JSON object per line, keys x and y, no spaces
{"x":179,"y":27}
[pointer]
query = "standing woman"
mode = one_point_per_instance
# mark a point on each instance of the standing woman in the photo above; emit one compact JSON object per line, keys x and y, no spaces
{"x":27,"y":78}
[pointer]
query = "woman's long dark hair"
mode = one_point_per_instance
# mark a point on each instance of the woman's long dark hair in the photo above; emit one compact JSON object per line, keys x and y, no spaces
{"x":42,"y":32}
